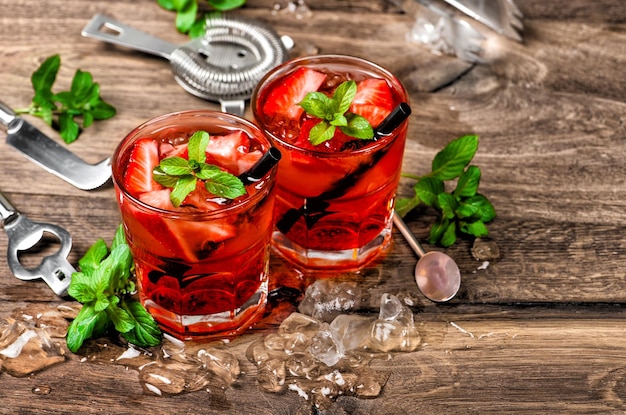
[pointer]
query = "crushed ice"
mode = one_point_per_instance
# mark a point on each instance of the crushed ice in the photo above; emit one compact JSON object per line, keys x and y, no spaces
{"x":322,"y":360}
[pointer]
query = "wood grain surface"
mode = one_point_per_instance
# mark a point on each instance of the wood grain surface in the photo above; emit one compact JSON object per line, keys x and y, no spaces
{"x":538,"y":330}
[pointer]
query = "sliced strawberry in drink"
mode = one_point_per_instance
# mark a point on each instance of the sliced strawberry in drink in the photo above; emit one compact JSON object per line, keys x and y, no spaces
{"x":247,"y":160}
{"x":169,"y":150}
{"x":144,"y":157}
{"x":284,"y":98}
{"x":188,"y":240}
{"x":225,"y":150}
{"x":373,"y":100}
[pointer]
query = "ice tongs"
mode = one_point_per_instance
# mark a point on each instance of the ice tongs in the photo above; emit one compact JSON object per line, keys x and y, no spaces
{"x":23,"y":234}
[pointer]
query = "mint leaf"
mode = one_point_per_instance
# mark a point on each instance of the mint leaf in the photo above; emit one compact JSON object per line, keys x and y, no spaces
{"x":45,"y":76}
{"x":450,"y":162}
{"x":321,"y":132}
{"x":343,"y":96}
{"x":464,"y":209}
{"x":428,"y":190}
{"x":333,"y":112}
{"x":358,"y":127}
{"x":182,"y":188}
{"x":477,"y":228}
{"x":449,"y":235}
{"x":94,"y":255}
{"x":81,"y":288}
{"x":81,"y":328}
{"x":225,"y":185}
{"x":122,"y":321}
{"x":196,"y":148}
{"x":66,"y":107}
{"x":175,"y":166}
{"x":102,"y":286}
{"x":145,"y":330}
{"x":182,"y":175}
{"x":467,"y":185}
{"x":318,"y":105}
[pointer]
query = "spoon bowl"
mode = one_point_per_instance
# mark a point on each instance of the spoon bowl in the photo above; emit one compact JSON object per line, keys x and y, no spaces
{"x":436,"y":274}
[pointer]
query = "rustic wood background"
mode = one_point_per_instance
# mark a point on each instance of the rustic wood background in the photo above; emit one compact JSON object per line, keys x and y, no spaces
{"x":539,"y":330}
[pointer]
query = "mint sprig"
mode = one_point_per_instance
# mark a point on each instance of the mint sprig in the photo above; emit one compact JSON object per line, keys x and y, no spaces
{"x":104,"y":288}
{"x":190,"y":19}
{"x":61,"y":110}
{"x":334,"y":114}
{"x":462,"y":210}
{"x":182,"y":175}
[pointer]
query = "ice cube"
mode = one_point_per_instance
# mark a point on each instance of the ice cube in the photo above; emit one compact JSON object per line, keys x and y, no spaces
{"x":271,"y":375}
{"x":326,"y":299}
{"x":352,"y":331}
{"x":387,"y":336}
{"x":325,"y":347}
{"x":28,"y":350}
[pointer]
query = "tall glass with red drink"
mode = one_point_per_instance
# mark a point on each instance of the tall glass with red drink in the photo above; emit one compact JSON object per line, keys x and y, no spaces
{"x":201,"y":258}
{"x":335,"y":198}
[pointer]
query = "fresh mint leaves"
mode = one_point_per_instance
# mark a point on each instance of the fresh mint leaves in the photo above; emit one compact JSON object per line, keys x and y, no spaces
{"x":61,"y":110}
{"x":333,"y":113}
{"x":462,"y":210}
{"x":190,"y":19}
{"x":182,"y":175}
{"x":104,"y":288}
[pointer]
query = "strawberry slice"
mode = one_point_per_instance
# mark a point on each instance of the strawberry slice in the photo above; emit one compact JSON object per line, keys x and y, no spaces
{"x":225,"y":150}
{"x":286,"y":96}
{"x":144,"y":157}
{"x":246,"y":161}
{"x":186,"y":239}
{"x":373,"y":100}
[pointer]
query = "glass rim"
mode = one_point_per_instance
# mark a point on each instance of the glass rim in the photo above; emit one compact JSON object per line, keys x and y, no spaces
{"x":293,"y":63}
{"x":223,"y":210}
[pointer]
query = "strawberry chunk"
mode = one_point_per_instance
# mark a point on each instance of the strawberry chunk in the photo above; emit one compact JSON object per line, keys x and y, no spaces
{"x":186,"y":239}
{"x":144,"y":157}
{"x":373,"y":100}
{"x":284,"y":98}
{"x":246,"y":161}
{"x":225,"y":150}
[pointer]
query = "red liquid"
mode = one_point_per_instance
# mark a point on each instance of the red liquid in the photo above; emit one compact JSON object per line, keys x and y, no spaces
{"x":333,"y":202}
{"x":200,"y":272}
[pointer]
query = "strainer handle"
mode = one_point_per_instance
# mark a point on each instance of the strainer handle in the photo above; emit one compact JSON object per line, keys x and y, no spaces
{"x":104,"y":28}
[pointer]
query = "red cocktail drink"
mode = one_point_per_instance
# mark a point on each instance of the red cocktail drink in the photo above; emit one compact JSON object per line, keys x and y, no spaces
{"x":335,"y":198}
{"x":201,"y":258}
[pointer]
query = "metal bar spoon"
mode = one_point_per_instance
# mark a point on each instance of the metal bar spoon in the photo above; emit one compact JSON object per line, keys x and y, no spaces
{"x":436,"y":274}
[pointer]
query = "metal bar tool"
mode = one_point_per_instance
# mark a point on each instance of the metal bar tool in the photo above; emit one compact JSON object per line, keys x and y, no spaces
{"x":50,"y":155}
{"x":23,"y":235}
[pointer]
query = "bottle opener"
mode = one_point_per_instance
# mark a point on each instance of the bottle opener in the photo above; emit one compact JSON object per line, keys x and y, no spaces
{"x":50,"y":155}
{"x":23,"y":234}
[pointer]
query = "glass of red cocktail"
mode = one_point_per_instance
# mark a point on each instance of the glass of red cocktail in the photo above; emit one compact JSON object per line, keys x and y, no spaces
{"x":200,"y":248}
{"x":336,"y":189}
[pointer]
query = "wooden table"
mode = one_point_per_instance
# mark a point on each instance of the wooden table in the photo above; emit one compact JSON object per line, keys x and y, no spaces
{"x":539,"y":330}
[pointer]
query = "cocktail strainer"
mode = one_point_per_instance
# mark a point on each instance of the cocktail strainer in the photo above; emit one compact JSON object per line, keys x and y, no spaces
{"x":224,"y":65}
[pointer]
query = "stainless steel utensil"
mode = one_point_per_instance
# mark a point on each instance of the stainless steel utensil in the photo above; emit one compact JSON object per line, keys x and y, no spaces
{"x":50,"y":155}
{"x":436,"y":274}
{"x":23,"y":234}
{"x":502,"y":16}
{"x":224,"y":65}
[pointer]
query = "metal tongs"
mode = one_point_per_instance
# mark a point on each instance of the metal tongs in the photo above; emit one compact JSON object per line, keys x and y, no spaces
{"x":23,"y":235}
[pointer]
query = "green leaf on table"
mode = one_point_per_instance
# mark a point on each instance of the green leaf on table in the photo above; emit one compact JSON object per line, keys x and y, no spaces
{"x":145,"y":329}
{"x":450,"y":162}
{"x":464,"y":209}
{"x":82,"y":100}
{"x":102,"y":285}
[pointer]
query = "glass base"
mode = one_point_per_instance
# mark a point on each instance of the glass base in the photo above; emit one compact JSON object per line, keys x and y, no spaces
{"x":211,"y":326}
{"x":336,"y":260}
